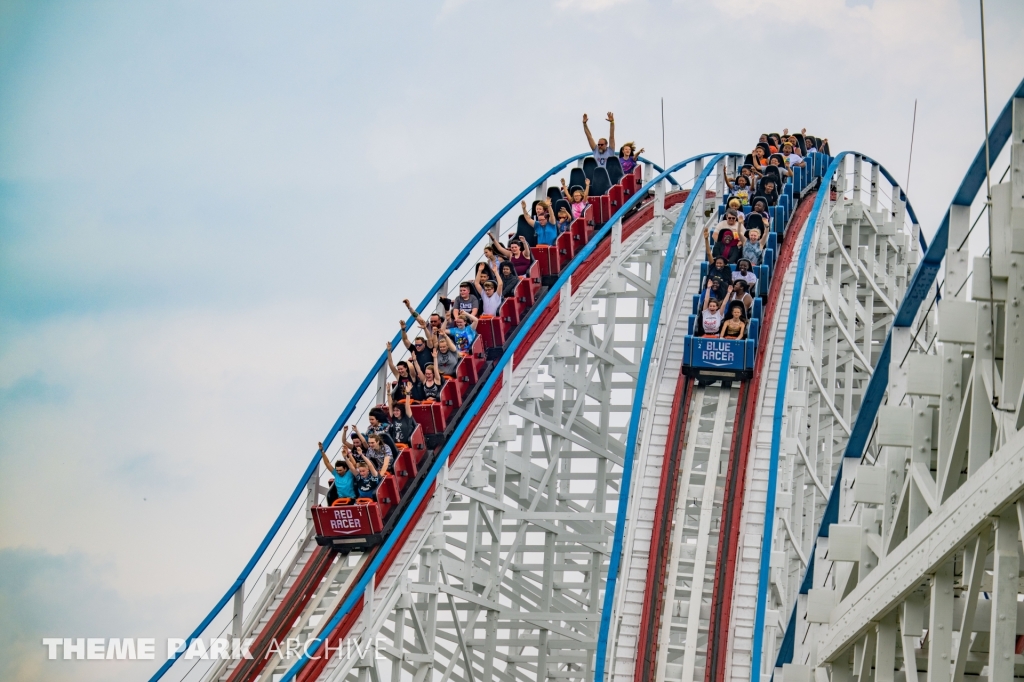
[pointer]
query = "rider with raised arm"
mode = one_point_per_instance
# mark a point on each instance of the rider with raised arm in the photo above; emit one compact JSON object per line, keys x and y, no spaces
{"x":344,"y":481}
{"x":604,"y":149}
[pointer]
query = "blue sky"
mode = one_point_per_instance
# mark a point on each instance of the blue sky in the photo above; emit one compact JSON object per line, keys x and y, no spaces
{"x":210,"y":212}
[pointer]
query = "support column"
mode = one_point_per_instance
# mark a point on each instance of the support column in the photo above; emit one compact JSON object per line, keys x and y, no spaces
{"x":940,"y":624}
{"x":1005,"y":568}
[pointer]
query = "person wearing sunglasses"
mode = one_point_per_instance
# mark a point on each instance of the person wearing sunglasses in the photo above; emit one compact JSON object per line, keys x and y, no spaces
{"x":730,"y":222}
{"x":419,"y":348}
{"x":604,"y":149}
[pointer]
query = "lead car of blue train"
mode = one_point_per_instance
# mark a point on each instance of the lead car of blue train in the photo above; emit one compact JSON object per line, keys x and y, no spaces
{"x":710,"y":358}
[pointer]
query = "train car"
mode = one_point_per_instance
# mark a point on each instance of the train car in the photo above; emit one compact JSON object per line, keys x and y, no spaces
{"x":710,"y":358}
{"x":357,"y":525}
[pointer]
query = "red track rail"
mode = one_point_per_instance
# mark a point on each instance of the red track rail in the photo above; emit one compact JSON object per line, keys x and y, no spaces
{"x":661,"y":533}
{"x":288,"y":610}
{"x":630,"y":225}
{"x":736,"y":479}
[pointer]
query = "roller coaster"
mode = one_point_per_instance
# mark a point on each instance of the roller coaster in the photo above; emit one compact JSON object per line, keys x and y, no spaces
{"x":601,"y":493}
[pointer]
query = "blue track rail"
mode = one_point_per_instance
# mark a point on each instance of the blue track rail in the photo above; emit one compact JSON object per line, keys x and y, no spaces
{"x":917,"y":293}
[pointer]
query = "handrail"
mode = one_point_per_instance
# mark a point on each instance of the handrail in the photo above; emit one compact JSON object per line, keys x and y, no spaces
{"x":347,"y":413}
{"x":356,"y":593}
{"x":634,"y":416}
{"x":916,"y":294}
{"x":810,"y":227}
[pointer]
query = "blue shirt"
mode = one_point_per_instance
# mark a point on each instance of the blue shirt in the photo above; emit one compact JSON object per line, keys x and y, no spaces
{"x":367,"y":485}
{"x":546,"y":234}
{"x":345,"y":484}
{"x":463,"y":338}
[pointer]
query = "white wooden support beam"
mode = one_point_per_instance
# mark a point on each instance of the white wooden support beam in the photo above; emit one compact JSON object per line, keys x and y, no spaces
{"x":974,"y":569}
{"x":858,"y":168}
{"x":980,"y":437}
{"x":1005,"y":588}
{"x":885,"y":649}
{"x":237,"y":612}
{"x":874,"y":187}
{"x":940,"y":624}
{"x":957,"y":262}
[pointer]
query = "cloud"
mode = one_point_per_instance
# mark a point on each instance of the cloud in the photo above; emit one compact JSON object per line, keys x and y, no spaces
{"x":44,"y":594}
{"x":589,"y":5}
{"x":210,"y":214}
{"x":449,"y":6}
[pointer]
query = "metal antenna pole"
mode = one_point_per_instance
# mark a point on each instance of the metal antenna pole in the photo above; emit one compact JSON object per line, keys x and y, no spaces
{"x":988,"y":205}
{"x":913,"y":129}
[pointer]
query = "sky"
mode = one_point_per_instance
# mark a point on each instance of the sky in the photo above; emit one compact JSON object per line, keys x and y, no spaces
{"x":211,"y":212}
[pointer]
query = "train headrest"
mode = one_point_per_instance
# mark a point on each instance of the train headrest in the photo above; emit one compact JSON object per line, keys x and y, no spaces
{"x":614,"y":168}
{"x":600,"y":183}
{"x":577,"y":178}
{"x":589,"y":164}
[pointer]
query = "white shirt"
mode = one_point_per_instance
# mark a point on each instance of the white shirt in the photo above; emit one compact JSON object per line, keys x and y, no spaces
{"x":712,"y":321}
{"x":748,"y":277}
{"x":491,"y":303}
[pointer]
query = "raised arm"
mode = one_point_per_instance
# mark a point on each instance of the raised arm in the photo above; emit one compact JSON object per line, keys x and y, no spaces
{"x":526,"y":214}
{"x":416,"y":365}
{"x":355,"y":430}
{"x":497,"y":245}
{"x":501,"y":284}
{"x":764,"y":236}
{"x":611,"y":131}
{"x":707,"y":295}
{"x":391,"y":362}
{"x":437,"y":370}
{"x":707,"y":245}
{"x":590,"y":138}
{"x":412,"y":311}
{"x":327,"y":461}
{"x":477,"y":284}
{"x":472,"y":321}
{"x":565,"y":192}
{"x":526,"y":248}
{"x":405,"y":335}
{"x":369,"y":464}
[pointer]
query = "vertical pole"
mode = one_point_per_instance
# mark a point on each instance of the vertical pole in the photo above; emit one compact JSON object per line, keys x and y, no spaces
{"x":698,"y":168}
{"x":957,"y":260}
{"x":1003,"y":626}
{"x":874,"y":187}
{"x":238,"y":612}
{"x":858,"y":167}
{"x":940,"y":624}
{"x":382,"y":384}
{"x":311,"y":494}
{"x":885,"y":649}
{"x":659,"y":200}
{"x":404,"y":602}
